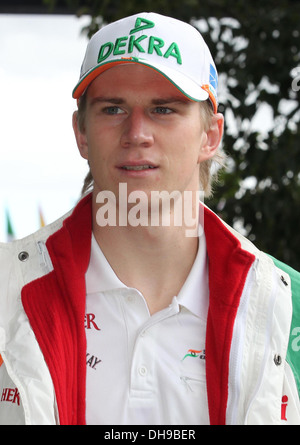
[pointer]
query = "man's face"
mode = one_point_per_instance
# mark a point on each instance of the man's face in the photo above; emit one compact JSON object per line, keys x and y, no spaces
{"x":140,"y":130}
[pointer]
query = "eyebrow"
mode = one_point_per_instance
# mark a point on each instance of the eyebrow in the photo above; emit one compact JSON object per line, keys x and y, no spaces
{"x":158,"y":101}
{"x":111,"y":100}
{"x":171,"y":100}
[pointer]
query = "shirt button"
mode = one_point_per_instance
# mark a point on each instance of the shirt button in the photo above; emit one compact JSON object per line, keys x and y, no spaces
{"x":143,"y":371}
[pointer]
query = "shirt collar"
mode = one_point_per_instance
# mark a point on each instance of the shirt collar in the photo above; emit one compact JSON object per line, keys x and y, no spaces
{"x":100,"y":277}
{"x":194,"y":294}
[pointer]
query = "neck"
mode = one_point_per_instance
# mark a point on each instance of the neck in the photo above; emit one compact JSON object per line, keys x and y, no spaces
{"x":156,"y":260}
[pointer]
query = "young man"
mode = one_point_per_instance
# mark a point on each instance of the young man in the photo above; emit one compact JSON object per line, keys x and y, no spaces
{"x":141,"y":306}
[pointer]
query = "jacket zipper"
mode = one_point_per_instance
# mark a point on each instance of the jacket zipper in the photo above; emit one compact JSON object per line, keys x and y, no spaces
{"x":267,"y":342}
{"x":236,"y":353}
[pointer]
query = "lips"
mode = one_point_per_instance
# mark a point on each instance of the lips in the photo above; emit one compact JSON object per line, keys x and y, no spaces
{"x":137,"y":166}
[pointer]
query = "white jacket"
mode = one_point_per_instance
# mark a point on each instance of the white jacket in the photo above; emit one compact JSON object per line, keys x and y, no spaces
{"x":251,"y":358}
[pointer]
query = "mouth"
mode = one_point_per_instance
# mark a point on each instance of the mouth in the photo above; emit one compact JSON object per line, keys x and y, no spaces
{"x":138,"y":167}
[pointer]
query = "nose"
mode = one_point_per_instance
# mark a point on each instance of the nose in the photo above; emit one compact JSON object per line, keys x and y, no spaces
{"x":137,"y":130}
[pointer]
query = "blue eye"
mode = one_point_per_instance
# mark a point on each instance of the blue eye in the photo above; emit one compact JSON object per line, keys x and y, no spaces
{"x":112,"y":110}
{"x":163,"y":110}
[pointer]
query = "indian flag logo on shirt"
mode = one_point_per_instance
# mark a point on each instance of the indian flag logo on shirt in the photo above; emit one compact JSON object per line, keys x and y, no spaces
{"x":195,"y":353}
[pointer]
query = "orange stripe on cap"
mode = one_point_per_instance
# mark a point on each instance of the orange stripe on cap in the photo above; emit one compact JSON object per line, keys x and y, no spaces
{"x":211,"y":97}
{"x":1,"y":360}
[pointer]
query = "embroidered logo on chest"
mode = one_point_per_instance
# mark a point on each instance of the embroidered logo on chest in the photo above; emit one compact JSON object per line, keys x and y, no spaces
{"x":194,"y":353}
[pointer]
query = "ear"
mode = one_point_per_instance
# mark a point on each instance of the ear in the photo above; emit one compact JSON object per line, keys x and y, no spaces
{"x":80,"y":137}
{"x":213,"y":137}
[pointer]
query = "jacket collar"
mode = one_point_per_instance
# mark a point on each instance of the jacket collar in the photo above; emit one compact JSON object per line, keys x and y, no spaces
{"x":56,"y":303}
{"x":229,"y":265}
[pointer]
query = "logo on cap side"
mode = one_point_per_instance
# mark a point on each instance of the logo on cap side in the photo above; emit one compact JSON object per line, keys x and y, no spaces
{"x":143,"y":44}
{"x":213,"y":79}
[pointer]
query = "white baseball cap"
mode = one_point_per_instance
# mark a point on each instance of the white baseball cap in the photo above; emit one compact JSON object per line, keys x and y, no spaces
{"x":173,"y":48}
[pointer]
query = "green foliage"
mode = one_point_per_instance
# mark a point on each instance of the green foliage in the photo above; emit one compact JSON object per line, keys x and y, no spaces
{"x":256,"y":46}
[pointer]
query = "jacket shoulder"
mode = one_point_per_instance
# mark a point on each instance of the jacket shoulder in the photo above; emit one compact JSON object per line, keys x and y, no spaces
{"x":20,"y":259}
{"x":294,"y":275}
{"x":42,"y":234}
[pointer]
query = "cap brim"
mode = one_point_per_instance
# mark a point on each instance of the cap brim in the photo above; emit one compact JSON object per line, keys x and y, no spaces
{"x":185,"y":85}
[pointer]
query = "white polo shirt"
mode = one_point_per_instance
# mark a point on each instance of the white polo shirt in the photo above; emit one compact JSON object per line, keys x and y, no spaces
{"x":144,"y":369}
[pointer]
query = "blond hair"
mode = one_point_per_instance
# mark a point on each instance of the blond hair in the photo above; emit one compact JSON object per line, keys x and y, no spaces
{"x":208,"y":171}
